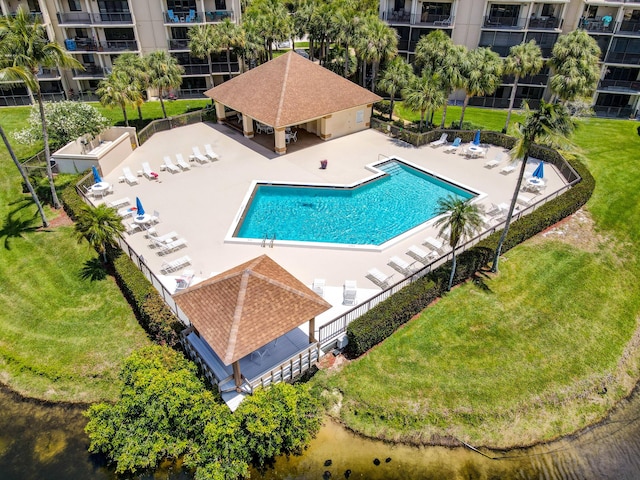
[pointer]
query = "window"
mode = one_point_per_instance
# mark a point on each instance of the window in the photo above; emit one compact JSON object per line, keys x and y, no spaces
{"x":548,"y":10}
{"x":119,"y":34}
{"x":113,"y":6}
{"x":181,"y":6}
{"x":504,"y":11}
{"x":74,"y":6}
{"x":221,"y":5}
{"x":360,"y":116}
{"x":34,"y":6}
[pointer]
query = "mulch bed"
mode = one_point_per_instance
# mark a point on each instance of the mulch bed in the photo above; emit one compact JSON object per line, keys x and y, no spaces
{"x":61,"y":220}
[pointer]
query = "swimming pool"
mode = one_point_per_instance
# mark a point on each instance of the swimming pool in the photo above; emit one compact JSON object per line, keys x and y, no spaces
{"x":399,"y":198}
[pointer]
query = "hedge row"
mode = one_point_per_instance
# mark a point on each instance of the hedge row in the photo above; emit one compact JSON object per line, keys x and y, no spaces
{"x":152,"y":312}
{"x":385,"y":318}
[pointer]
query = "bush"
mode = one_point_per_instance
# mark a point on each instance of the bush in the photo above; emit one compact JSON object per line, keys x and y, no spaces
{"x":383,"y":106}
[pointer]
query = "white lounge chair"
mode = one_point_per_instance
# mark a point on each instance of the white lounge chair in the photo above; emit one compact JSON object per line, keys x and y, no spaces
{"x":523,"y":199}
{"x":172,"y":246}
{"x":169,"y":165}
{"x":349,"y":292}
{"x":437,"y":245}
{"x":121,"y":202}
{"x":129,"y":177}
{"x":125,"y":212}
{"x":150,"y":174}
{"x":400,"y":265}
{"x":379,"y":278}
{"x":160,"y":240}
{"x":174,"y":265}
{"x":507,"y":169}
{"x":454,"y":146}
{"x":208,"y":151}
{"x":318,"y":286}
{"x":441,"y":141}
{"x":198,"y":156}
{"x":181,"y":163}
{"x":155,"y":217}
{"x":421,"y":255}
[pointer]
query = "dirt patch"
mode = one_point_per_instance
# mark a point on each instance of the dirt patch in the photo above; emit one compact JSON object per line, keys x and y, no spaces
{"x":577,"y":230}
{"x":332,"y":362}
{"x":61,"y":220}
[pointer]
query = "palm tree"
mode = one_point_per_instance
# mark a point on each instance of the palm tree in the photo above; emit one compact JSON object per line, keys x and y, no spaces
{"x":24,"y":42}
{"x":164,"y":73}
{"x":203,"y":42}
{"x":117,"y":90}
{"x":395,"y":77}
{"x":25,"y":179}
{"x":482,"y":75}
{"x":134,"y":67}
{"x":437,"y":52}
{"x":550,"y":124}
{"x":272,"y":19}
{"x":523,"y":59}
{"x":574,"y":62}
{"x":228,"y":35}
{"x":424,"y":93}
{"x":460,"y":220}
{"x":99,"y":225}
{"x":345,"y":23}
{"x":375,"y":42}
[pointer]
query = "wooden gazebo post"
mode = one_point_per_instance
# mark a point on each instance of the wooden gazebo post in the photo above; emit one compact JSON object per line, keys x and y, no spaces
{"x":312,"y":329}
{"x":237,"y":376}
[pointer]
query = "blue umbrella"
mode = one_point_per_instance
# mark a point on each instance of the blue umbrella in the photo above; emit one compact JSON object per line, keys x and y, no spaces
{"x":96,"y":175}
{"x":476,"y":139}
{"x":139,"y":208}
{"x":539,"y":171}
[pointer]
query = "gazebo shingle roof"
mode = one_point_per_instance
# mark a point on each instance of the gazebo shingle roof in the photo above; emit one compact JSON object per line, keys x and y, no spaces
{"x":246,"y":307}
{"x":290,"y":90}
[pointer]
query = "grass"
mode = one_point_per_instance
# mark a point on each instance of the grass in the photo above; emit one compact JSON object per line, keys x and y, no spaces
{"x":522,"y":356}
{"x":64,"y":326}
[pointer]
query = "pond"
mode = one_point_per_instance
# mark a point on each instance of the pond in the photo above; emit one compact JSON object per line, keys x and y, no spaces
{"x":41,"y":441}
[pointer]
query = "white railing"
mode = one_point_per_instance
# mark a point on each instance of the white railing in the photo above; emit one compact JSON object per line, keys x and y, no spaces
{"x":288,"y":369}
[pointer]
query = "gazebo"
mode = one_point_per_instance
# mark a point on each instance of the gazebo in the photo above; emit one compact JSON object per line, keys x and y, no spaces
{"x":293,"y":91}
{"x":247,"y":307}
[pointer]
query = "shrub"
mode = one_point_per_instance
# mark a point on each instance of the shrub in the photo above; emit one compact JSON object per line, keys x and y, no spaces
{"x":383,"y":106}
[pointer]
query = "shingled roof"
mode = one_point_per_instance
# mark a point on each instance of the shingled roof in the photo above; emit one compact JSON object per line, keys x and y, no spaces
{"x":246,"y":307}
{"x":290,"y":90}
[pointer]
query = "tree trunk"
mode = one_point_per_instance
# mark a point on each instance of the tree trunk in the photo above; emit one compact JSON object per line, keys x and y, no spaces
{"x":47,"y":152}
{"x":45,"y":223}
{"x":164,"y":111}
{"x":391,"y":109}
{"x":346,"y":60}
{"x":124,"y":113}
{"x":444,"y":115}
{"x":512,"y":206}
{"x":422,"y":112}
{"x":229,"y":60}
{"x":140,"y":114}
{"x":209,"y":66}
{"x":373,"y":75}
{"x":311,"y":49}
{"x":464,"y":107}
{"x":454,"y":260}
{"x":512,"y":99}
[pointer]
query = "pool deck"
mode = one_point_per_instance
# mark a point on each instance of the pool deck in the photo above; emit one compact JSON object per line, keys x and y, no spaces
{"x":202,"y":204}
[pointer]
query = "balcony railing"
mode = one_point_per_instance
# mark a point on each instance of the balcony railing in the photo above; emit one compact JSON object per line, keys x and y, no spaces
{"x":7,"y":100}
{"x":188,"y":17}
{"x":218,"y":15}
{"x":613,"y":112}
{"x":623,"y":86}
{"x":191,"y":93}
{"x":117,"y":45}
{"x":503,"y":22}
{"x":86,"y":18}
{"x":401,"y":17}
{"x":549,"y":23}
{"x":179,"y":44}
{"x":623,"y":57}
{"x":217,"y":67}
{"x":597,"y":26}
{"x":540,"y":79}
{"x":91,"y":71}
{"x":628,"y":26}
{"x":493,"y":102}
{"x":48,"y":73}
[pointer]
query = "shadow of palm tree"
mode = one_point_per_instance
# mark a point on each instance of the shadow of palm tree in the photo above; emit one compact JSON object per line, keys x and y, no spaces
{"x":15,"y":227}
{"x":93,"y":270}
{"x":479,"y":279}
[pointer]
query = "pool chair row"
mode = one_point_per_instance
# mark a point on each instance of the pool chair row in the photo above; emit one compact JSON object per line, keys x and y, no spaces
{"x":132,"y":179}
{"x":349,"y":290}
{"x":208,"y":156}
{"x":179,"y":166}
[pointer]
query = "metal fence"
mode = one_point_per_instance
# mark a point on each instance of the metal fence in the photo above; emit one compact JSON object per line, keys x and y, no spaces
{"x":168,"y":123}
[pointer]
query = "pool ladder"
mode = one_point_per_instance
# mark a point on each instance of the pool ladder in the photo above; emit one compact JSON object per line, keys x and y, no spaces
{"x":264,"y":240}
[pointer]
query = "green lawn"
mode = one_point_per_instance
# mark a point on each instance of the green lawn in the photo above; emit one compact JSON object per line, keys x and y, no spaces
{"x":63,"y":336}
{"x":521,"y":356}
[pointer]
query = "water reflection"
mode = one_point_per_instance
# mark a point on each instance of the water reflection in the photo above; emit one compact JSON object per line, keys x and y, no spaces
{"x":38,"y":441}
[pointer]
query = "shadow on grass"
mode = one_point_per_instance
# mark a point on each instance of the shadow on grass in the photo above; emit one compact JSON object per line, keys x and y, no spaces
{"x":93,"y":270}
{"x":479,"y":279}
{"x":15,"y":227}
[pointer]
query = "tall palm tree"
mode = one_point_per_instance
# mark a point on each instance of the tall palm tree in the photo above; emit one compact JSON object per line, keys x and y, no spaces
{"x":424,"y":93}
{"x":437,"y":52}
{"x":164,"y":73}
{"x":574,"y":64}
{"x":378,"y":42}
{"x":460,"y":220}
{"x":24,"y":49}
{"x":345,"y":23}
{"x":523,"y":59}
{"x":117,"y":90}
{"x":395,"y":77}
{"x":203,"y":42}
{"x":25,"y":179}
{"x":228,"y":35}
{"x":551,"y":124}
{"x":273,"y":20}
{"x":134,"y":67}
{"x":482,"y":75}
{"x":99,"y":225}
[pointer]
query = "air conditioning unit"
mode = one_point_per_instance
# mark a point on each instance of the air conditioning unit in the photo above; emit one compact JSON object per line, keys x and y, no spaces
{"x":342,"y":342}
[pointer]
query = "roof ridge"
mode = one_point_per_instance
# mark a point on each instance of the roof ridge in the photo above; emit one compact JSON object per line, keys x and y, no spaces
{"x":314,"y":298}
{"x":283,"y":88}
{"x":237,"y":315}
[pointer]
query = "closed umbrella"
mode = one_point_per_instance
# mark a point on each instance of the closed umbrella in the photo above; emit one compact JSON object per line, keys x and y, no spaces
{"x":539,"y":171}
{"x":96,"y":175}
{"x":139,"y":208}
{"x":476,"y":139}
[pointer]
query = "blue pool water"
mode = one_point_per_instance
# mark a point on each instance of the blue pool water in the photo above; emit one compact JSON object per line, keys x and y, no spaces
{"x":370,"y":214}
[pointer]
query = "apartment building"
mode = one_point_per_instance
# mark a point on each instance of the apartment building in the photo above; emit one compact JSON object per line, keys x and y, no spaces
{"x":95,"y":32}
{"x":614,"y":24}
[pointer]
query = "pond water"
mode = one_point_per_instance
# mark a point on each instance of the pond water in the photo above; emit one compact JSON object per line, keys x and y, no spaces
{"x":41,"y":441}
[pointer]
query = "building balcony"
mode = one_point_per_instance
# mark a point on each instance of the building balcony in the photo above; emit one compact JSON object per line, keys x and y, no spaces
{"x":179,"y":44}
{"x":218,"y":15}
{"x":191,"y":93}
{"x":191,"y":17}
{"x":548,"y":23}
{"x":620,"y":86}
{"x":48,"y":74}
{"x":623,"y":58}
{"x":8,"y":100}
{"x":91,"y":72}
{"x":86,"y":18}
{"x":396,"y":17}
{"x":629,"y":27}
{"x":197,"y":69}
{"x":596,"y":26}
{"x":117,"y":45}
{"x":613,"y":112}
{"x":512,"y":23}
{"x":540,"y":79}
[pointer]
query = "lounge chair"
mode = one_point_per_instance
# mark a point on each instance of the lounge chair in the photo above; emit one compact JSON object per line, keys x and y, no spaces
{"x":421,"y":255}
{"x":129,"y":177}
{"x":524,"y":199}
{"x":208,"y":151}
{"x":401,"y":266}
{"x":198,"y":156}
{"x":173,"y":265}
{"x":155,"y":218}
{"x":318,"y":286}
{"x":437,"y":245}
{"x":156,"y":241}
{"x":169,"y":165}
{"x":441,"y":141}
{"x":454,"y":146}
{"x":172,"y":246}
{"x":150,"y":174}
{"x":508,"y":169}
{"x":379,"y":278}
{"x":121,"y":202}
{"x":181,"y":163}
{"x":126,"y":211}
{"x":497,"y":160}
{"x":349,"y":292}
{"x":494,"y":210}
{"x":172,"y":16}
